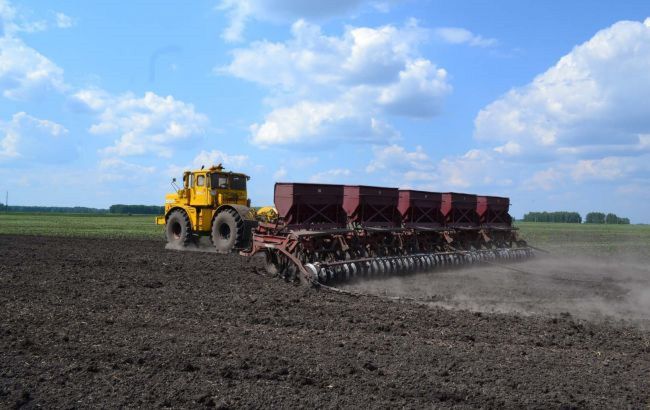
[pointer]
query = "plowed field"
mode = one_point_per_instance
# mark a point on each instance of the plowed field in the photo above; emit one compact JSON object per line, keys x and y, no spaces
{"x":126,"y":323}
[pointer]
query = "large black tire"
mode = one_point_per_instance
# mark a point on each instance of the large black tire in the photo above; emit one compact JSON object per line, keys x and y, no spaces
{"x":228,"y":231}
{"x":178,"y":229}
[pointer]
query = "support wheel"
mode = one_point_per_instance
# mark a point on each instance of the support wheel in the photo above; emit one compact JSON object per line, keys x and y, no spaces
{"x":178,"y":229}
{"x":228,"y":231}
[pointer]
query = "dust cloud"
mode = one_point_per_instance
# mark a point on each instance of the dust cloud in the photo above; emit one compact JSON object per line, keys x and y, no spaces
{"x":201,"y":244}
{"x":585,"y":287}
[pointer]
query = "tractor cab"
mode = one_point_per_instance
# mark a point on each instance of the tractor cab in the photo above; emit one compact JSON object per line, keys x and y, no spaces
{"x":215,"y":187}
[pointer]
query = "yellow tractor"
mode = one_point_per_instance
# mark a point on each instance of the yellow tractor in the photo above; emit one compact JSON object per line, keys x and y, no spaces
{"x":211,"y":202}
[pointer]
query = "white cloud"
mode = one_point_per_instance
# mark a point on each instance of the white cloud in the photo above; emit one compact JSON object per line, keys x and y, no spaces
{"x":298,"y":165}
{"x":280,"y":174}
{"x":337,"y":175}
{"x":314,"y":123}
{"x":582,"y":171}
{"x":28,"y":138}
{"x":215,"y":157}
{"x":151,"y":124}
{"x":583,"y":123}
{"x":378,"y":55}
{"x":510,"y":148}
{"x":416,"y":169}
{"x":547,"y":179}
{"x":239,"y":12}
{"x":360,"y":56}
{"x":383,"y":6}
{"x":478,"y":169}
{"x":419,"y":91}
{"x":90,"y":99}
{"x":609,"y":168}
{"x":592,"y":102}
{"x":7,"y":16}
{"x":340,"y":88}
{"x":25,"y":72}
{"x":32,"y":26}
{"x":14,"y":21}
{"x":396,"y":157}
{"x":116,"y":169}
{"x":457,"y":35}
{"x":232,"y":162}
{"x":64,"y":21}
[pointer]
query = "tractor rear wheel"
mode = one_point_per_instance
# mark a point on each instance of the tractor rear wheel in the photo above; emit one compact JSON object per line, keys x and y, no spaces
{"x":228,"y":231}
{"x":178,"y":229}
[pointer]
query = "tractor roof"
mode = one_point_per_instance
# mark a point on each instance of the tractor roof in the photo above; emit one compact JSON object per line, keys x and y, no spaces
{"x":217,"y":168}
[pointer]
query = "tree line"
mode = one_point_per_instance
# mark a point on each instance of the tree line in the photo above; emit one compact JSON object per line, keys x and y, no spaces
{"x":113,"y":209}
{"x":601,"y":218}
{"x":136,"y":209}
{"x":53,"y":209}
{"x":558,"y":217}
{"x":574,"y":217}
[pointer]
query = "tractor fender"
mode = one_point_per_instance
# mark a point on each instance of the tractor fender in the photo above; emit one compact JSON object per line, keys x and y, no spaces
{"x":244,"y":212}
{"x":191,"y":213}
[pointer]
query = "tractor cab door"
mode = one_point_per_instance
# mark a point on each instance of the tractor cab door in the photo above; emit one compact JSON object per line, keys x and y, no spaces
{"x":200,"y":190}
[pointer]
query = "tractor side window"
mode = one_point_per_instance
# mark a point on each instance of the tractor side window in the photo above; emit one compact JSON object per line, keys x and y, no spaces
{"x":191,"y":180}
{"x":200,"y":180}
{"x":238,"y":182}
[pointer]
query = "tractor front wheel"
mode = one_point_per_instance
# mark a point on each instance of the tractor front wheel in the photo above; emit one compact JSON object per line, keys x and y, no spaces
{"x":178,"y":229}
{"x":227,"y":231}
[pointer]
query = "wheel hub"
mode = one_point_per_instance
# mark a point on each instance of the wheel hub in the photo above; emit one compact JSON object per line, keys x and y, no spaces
{"x":224,"y":231}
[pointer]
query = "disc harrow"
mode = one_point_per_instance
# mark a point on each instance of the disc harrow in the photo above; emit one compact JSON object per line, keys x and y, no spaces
{"x":369,"y":268}
{"x":327,"y":234}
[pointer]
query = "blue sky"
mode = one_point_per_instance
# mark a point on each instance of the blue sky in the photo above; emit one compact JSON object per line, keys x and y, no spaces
{"x":545,"y":102}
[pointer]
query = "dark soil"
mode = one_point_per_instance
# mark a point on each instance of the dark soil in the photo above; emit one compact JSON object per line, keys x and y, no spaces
{"x":116,"y":323}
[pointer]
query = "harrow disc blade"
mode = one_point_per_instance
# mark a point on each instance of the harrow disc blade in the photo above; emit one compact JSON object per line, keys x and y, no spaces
{"x":399,"y":266}
{"x":345,"y":270}
{"x":381,"y":267}
{"x":312,"y":271}
{"x":425,"y":263}
{"x":390,"y":267}
{"x":374,"y":267}
{"x":330,"y":274}
{"x":408,"y":264}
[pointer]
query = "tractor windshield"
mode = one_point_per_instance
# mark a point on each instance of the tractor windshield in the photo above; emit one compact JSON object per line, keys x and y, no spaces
{"x":219,"y":181}
{"x":238,"y":182}
{"x":226,"y":181}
